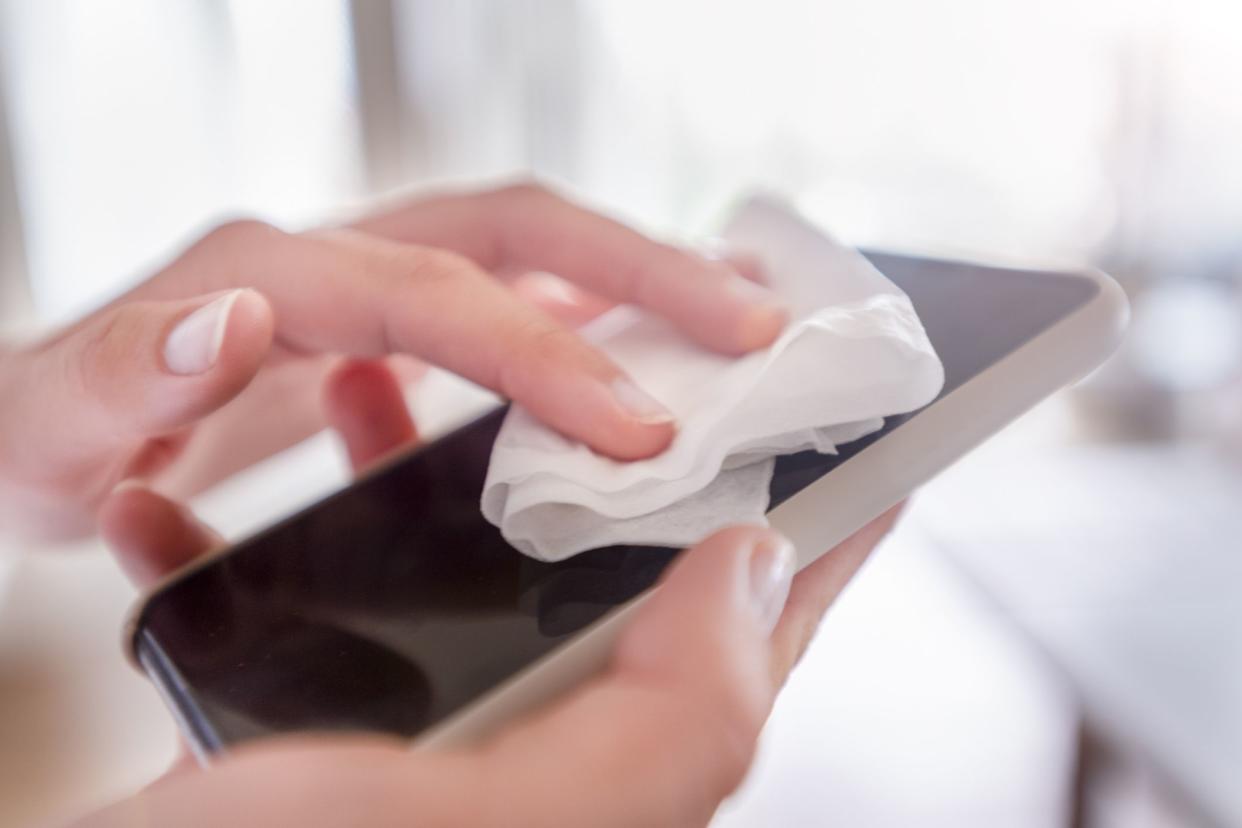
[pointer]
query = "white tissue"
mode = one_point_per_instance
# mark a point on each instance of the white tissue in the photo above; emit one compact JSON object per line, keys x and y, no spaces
{"x":853,"y":353}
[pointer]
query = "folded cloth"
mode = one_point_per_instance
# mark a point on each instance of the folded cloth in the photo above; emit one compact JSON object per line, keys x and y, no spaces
{"x":853,"y":352}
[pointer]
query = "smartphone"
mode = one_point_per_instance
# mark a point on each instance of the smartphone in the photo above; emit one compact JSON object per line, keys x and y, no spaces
{"x":393,"y":607}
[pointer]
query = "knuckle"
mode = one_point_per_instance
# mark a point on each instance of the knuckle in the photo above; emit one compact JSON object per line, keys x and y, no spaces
{"x":535,"y":348}
{"x":544,"y":342}
{"x":234,"y":248}
{"x":435,"y":266}
{"x":649,"y":280}
{"x":110,"y":342}
{"x":526,"y":191}
{"x":241,"y":232}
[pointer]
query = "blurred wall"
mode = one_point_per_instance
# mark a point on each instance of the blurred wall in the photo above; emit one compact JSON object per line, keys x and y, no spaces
{"x":1055,"y":130}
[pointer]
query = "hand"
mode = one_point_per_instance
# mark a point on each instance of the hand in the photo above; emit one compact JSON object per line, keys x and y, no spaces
{"x":660,"y":738}
{"x":218,"y":359}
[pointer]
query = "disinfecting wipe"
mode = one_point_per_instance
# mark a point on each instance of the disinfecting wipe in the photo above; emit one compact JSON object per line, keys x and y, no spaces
{"x":853,"y":353}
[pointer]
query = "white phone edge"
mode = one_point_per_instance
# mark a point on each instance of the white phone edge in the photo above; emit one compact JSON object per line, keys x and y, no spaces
{"x":906,"y":458}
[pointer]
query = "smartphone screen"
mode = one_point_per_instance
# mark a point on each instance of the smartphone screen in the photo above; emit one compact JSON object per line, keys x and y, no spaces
{"x":392,"y":604}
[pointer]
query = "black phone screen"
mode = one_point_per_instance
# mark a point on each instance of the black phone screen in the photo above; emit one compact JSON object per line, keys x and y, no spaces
{"x":391,"y":604}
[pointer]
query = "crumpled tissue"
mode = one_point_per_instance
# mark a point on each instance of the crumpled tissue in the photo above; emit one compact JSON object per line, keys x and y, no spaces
{"x":853,"y":353}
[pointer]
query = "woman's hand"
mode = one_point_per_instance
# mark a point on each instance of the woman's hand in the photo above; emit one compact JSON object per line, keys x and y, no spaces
{"x":218,"y":359}
{"x":660,"y":738}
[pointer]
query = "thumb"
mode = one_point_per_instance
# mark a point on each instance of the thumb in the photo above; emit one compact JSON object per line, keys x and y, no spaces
{"x":658,"y":739}
{"x":146,"y":369}
{"x":671,"y":725}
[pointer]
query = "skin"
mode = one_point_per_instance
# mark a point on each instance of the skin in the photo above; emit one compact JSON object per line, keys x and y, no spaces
{"x":661,"y":737}
{"x":96,"y":404}
{"x":329,"y":325}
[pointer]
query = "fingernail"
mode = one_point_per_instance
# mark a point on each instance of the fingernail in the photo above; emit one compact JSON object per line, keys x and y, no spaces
{"x":772,"y":565}
{"x":194,"y":345}
{"x":638,"y":403}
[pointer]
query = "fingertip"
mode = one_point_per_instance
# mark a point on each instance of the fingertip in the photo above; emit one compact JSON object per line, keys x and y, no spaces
{"x":253,"y":312}
{"x":149,"y":534}
{"x":606,"y":427}
{"x":761,"y":325}
{"x":112,"y":517}
{"x":706,"y":627}
{"x":631,"y":424}
{"x":723,"y":548}
{"x":760,"y":314}
{"x":708,"y":581}
{"x":576,"y":389}
{"x":211,"y":347}
{"x":211,"y":331}
{"x":639,"y":441}
{"x":348,"y":381}
{"x":727,"y":307}
{"x":365,"y":405}
{"x":740,"y":574}
{"x":248,"y":336}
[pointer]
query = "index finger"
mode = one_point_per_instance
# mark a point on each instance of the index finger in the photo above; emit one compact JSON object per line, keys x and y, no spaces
{"x":350,"y":293}
{"x":527,"y":226}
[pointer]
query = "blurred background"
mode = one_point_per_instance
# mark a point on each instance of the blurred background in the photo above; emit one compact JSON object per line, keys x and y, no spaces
{"x":1054,"y":636}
